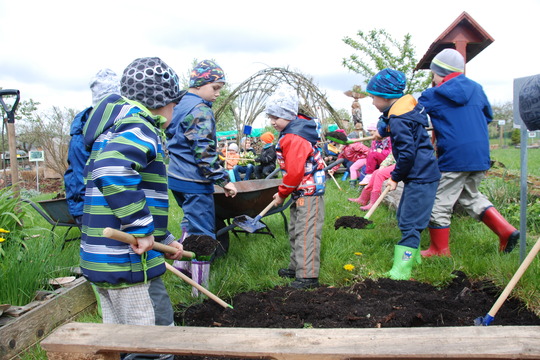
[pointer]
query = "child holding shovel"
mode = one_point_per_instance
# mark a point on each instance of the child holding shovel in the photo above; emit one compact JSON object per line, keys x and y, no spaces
{"x":304,"y":179}
{"x":126,"y":189}
{"x":405,"y":122}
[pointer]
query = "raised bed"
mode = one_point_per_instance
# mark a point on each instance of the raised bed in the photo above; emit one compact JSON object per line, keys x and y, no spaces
{"x":24,"y":326}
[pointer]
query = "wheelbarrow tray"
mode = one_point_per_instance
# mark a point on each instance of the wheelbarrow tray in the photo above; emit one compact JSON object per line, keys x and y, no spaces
{"x":252,"y":197}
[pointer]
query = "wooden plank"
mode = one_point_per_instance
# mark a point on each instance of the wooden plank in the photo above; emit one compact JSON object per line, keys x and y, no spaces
{"x":475,"y":342}
{"x":27,"y":329}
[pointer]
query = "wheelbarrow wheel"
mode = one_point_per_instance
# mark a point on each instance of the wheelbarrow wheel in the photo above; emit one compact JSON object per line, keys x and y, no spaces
{"x":223,"y":246}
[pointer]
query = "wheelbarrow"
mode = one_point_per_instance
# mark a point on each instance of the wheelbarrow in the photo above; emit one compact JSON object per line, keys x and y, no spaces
{"x":252,"y":197}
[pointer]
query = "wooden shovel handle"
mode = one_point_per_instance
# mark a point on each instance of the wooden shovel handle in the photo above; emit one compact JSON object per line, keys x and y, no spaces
{"x":266,"y":209}
{"x":519,"y":272}
{"x":379,"y":200}
{"x":196,"y":285}
{"x":130,"y":239}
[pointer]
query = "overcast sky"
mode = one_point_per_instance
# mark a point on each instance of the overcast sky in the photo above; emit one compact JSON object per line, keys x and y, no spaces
{"x":50,"y":49}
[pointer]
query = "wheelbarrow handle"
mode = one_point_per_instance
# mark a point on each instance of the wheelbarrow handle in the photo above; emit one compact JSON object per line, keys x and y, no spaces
{"x":130,"y":239}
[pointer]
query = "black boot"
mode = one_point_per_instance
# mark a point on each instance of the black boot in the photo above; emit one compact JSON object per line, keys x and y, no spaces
{"x":287,"y":273}
{"x":305,"y":283}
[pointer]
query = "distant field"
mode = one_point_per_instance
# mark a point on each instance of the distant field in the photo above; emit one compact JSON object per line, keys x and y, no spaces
{"x":510,"y":157}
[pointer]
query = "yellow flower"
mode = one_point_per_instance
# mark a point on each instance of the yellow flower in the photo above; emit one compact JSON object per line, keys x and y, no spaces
{"x":349,"y":267}
{"x":2,"y":239}
{"x":4,"y":231}
{"x":358,"y":253}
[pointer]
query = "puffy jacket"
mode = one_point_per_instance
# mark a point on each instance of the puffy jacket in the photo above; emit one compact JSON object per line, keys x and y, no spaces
{"x":77,"y":156}
{"x":460,"y":113}
{"x":405,"y":122}
{"x":192,"y":143}
{"x":126,"y":189}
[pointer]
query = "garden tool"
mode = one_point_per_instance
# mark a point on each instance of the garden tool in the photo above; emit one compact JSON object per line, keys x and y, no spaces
{"x":375,"y":206}
{"x":348,"y":142}
{"x":333,"y":178}
{"x":130,"y":239}
{"x":486,"y":320}
{"x":252,"y":224}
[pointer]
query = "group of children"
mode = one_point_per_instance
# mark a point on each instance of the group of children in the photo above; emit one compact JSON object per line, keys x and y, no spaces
{"x":127,"y":182}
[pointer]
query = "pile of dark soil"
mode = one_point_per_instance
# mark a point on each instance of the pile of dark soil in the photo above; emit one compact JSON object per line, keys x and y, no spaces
{"x":367,"y":304}
{"x":201,"y":245}
{"x":352,"y":222}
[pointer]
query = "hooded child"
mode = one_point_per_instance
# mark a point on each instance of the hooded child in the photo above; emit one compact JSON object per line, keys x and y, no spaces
{"x":405,"y":122}
{"x":267,"y":158}
{"x":304,"y":179}
{"x":126,"y":189}
{"x":460,"y":113}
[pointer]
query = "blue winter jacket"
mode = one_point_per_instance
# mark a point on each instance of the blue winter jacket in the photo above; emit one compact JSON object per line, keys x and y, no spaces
{"x":405,"y":122}
{"x":192,"y":146}
{"x":460,"y":113}
{"x":77,"y":156}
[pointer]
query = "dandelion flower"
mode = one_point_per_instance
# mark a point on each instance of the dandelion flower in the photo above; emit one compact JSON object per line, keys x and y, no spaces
{"x":358,"y":253}
{"x":4,"y":231}
{"x":2,"y":239}
{"x":349,"y":267}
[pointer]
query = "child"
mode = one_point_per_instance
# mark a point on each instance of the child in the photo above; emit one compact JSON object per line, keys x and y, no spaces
{"x":304,"y":179}
{"x":267,"y":159}
{"x":355,"y":153}
{"x":378,"y":151}
{"x":460,"y":113}
{"x":245,"y":164}
{"x":405,"y":122}
{"x":127,"y":190}
{"x":104,"y":83}
{"x":194,"y":164}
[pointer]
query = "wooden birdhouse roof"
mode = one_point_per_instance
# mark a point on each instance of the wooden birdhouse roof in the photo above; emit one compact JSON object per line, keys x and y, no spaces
{"x":464,"y":34}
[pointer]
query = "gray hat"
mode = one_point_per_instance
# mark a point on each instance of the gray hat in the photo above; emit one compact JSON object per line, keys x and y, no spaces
{"x":233,"y":147}
{"x":104,"y":83}
{"x":446,"y":62}
{"x":283,"y":103}
{"x":151,"y":82}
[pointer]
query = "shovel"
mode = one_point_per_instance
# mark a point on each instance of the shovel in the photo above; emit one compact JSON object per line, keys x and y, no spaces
{"x":486,"y":320}
{"x":252,"y":224}
{"x":130,"y":239}
{"x":348,"y":142}
{"x":375,"y":206}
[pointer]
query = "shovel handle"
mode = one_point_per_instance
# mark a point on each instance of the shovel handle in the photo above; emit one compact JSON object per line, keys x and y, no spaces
{"x":199,"y":287}
{"x":376,"y":205}
{"x":265,"y":210}
{"x":130,"y":239}
{"x":519,"y":272}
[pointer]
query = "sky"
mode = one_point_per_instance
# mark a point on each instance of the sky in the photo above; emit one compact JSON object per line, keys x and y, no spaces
{"x":50,"y":49}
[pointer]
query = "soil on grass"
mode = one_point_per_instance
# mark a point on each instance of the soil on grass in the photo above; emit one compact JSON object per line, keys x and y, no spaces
{"x":367,"y":304}
{"x":352,"y":222}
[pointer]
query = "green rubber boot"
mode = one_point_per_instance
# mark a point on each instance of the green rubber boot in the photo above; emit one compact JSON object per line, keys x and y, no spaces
{"x":404,"y":259}
{"x":353,"y":184}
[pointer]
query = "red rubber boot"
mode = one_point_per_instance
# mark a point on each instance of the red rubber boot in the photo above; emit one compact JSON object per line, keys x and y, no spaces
{"x":508,"y":235}
{"x":439,"y":243}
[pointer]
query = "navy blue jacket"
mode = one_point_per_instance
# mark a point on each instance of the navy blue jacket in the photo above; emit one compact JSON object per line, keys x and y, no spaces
{"x":405,"y":122}
{"x":77,"y":157}
{"x":460,"y":114}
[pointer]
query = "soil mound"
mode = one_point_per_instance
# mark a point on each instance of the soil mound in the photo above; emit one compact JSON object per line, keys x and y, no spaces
{"x":380,"y":303}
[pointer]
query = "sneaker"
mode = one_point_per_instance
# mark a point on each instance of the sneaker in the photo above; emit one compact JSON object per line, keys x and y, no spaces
{"x":305,"y":283}
{"x":287,"y":273}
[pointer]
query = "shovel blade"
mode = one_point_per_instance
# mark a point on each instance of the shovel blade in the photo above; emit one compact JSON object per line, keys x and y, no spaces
{"x":248,"y":224}
{"x":483,"y":320}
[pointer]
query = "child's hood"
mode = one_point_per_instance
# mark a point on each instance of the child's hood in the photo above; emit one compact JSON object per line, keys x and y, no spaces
{"x":306,"y":128}
{"x":104,"y":116}
{"x":456,"y":90}
{"x":407,"y":107}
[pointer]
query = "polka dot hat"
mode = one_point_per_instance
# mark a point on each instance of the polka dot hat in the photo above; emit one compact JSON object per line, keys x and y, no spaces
{"x":151,"y":82}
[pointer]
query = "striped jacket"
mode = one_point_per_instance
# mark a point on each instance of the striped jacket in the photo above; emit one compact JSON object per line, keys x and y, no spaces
{"x":126,"y":189}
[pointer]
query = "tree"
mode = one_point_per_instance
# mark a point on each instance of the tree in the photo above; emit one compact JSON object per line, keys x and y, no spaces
{"x":377,"y":50}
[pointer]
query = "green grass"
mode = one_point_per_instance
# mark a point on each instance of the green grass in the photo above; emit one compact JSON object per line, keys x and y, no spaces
{"x":511,"y":158}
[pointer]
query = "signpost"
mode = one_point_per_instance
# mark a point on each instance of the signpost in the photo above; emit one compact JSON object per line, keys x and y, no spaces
{"x":36,"y":156}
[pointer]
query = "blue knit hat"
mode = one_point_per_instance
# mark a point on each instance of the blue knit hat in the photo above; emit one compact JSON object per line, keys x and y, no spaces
{"x":206,"y":72}
{"x":388,"y":84}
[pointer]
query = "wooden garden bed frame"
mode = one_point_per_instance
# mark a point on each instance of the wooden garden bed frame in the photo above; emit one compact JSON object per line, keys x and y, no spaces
{"x":89,"y":341}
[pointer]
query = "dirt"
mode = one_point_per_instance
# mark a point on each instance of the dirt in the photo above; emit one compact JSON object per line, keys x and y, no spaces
{"x":201,"y":245}
{"x":352,"y":222}
{"x":367,"y":304}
